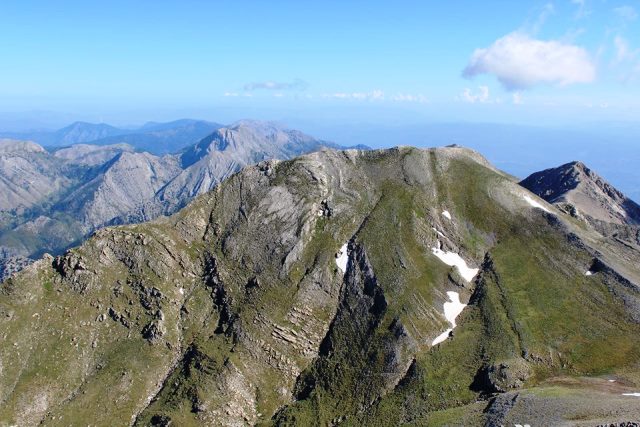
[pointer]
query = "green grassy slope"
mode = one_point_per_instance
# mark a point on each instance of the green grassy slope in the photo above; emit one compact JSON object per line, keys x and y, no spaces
{"x":234,"y":312}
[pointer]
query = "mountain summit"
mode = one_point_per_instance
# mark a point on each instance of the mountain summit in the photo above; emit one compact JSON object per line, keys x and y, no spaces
{"x":576,"y":187}
{"x":385,"y":287}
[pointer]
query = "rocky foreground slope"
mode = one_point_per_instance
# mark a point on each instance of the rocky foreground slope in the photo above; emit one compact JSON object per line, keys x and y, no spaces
{"x":391,"y":287}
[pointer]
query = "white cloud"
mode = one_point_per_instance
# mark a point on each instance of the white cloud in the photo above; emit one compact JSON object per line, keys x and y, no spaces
{"x":481,"y":97}
{"x":627,"y":13}
{"x":405,"y":97}
{"x":517,"y":98}
{"x":375,"y":95}
{"x":520,"y":62}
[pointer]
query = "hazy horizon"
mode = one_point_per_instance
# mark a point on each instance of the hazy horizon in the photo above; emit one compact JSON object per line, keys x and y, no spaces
{"x":535,"y":85}
{"x":561,"y":63}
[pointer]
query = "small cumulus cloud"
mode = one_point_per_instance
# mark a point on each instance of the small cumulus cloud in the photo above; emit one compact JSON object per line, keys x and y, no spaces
{"x":297,"y":84}
{"x":521,"y":62}
{"x":481,"y":96}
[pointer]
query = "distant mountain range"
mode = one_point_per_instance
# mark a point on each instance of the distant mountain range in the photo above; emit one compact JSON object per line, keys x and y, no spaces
{"x":156,"y":138}
{"x":52,"y":199}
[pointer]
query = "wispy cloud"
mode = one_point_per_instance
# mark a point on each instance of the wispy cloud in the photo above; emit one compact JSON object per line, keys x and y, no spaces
{"x":368,"y":96}
{"x":582,"y":11}
{"x":378,"y":95}
{"x":627,"y":59}
{"x":521,"y":62}
{"x":516,"y":98}
{"x":406,"y":97}
{"x":297,"y":84}
{"x":627,"y":13}
{"x":545,"y":13}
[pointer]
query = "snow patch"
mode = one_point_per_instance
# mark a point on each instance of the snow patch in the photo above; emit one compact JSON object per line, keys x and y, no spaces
{"x":589,"y":273}
{"x":437,"y":231}
{"x":631,"y":394}
{"x":454,"y":260}
{"x":534,"y":203}
{"x":446,"y":214}
{"x":342,"y":258}
{"x":452,"y":310}
{"x":181,"y":290}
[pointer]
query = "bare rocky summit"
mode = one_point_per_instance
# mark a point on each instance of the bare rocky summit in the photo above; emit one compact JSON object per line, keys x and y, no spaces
{"x":582,"y":191}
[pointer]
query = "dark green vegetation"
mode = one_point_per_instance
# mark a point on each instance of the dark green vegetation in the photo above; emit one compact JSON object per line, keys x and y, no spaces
{"x":234,"y":311}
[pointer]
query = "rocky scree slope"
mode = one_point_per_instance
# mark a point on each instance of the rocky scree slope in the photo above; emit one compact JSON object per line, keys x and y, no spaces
{"x":54,"y":200}
{"x":313,"y":292}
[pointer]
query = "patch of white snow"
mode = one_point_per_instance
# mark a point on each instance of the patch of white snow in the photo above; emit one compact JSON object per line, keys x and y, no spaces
{"x":446,"y":214}
{"x":442,"y":337}
{"x":181,"y":290}
{"x":631,"y":394}
{"x":452,"y":310}
{"x":342,"y":258}
{"x":534,"y":203}
{"x":454,"y":260}
{"x":589,"y":273}
{"x":437,"y":231}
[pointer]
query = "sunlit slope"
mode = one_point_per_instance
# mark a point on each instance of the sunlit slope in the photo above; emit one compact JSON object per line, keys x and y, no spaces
{"x":243,"y":308}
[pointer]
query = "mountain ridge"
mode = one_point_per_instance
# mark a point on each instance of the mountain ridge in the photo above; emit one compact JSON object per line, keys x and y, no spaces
{"x":240,"y":309}
{"x":87,"y":186}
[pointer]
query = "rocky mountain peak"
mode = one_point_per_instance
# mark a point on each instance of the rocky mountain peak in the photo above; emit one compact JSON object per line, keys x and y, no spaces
{"x":580,"y":187}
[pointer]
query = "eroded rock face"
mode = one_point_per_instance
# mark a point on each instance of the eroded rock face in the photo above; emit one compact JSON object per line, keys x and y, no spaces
{"x":241,"y":308}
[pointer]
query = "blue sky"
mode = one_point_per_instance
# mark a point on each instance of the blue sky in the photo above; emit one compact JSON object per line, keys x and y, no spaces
{"x":563,"y":63}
